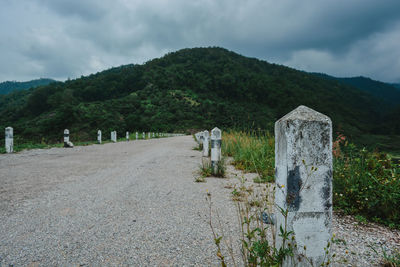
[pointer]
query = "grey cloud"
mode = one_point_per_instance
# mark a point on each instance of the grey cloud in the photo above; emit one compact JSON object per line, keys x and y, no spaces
{"x":60,"y":38}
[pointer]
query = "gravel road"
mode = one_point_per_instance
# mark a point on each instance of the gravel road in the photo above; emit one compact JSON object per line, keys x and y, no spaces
{"x":129,"y":203}
{"x":134,"y":204}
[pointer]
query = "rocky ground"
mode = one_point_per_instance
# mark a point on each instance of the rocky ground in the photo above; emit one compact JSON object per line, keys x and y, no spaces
{"x":133,"y":203}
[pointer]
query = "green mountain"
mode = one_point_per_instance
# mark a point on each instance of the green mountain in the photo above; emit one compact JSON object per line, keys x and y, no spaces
{"x":189,"y":89}
{"x":7,"y":87}
{"x":389,"y":93}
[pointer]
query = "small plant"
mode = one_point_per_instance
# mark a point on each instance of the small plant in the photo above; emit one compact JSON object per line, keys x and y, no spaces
{"x":200,"y":179}
{"x":361,"y":219}
{"x":205,"y":169}
{"x":389,"y":259}
{"x":220,"y":168}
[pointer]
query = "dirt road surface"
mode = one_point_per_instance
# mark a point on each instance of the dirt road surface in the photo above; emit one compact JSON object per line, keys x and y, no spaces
{"x":128,"y":203}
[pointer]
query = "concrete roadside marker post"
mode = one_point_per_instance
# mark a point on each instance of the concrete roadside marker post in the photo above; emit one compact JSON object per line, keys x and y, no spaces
{"x":197,"y":135}
{"x":205,"y":143}
{"x":144,"y":135}
{"x":114,"y":136}
{"x":303,"y":172}
{"x":215,"y":148}
{"x":127,"y":136}
{"x":201,"y":137}
{"x":9,"y":139}
{"x":67,"y":143}
{"x":149,"y":135}
{"x":137,"y":135}
{"x":153,"y":135}
{"x":99,"y":136}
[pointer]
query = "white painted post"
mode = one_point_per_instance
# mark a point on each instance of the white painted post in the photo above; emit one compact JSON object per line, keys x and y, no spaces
{"x":114,"y":136}
{"x":144,"y":135}
{"x":149,"y":135}
{"x":99,"y":136}
{"x":127,"y":136}
{"x":201,"y":137}
{"x":215,"y":148}
{"x":205,"y":143}
{"x":137,"y":135}
{"x":197,"y":136}
{"x":9,"y":139}
{"x":67,"y":143}
{"x":303,"y":172}
{"x":153,"y":135}
{"x":66,"y":136}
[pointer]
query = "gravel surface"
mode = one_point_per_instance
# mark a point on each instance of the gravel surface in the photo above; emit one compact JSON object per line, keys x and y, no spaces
{"x":129,"y":203}
{"x":134,"y":203}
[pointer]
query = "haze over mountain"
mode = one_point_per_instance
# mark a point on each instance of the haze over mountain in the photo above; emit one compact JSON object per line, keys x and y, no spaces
{"x":191,"y":88}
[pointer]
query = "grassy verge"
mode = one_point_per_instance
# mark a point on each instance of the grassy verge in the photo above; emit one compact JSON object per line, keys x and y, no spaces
{"x":365,"y":183}
{"x":253,"y":152}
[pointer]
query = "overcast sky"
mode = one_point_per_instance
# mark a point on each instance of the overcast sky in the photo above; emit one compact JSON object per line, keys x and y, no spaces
{"x":69,"y":38}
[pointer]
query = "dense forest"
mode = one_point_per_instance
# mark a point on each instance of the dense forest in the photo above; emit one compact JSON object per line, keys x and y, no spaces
{"x":189,"y":89}
{"x":7,"y":87}
{"x":390,"y":93}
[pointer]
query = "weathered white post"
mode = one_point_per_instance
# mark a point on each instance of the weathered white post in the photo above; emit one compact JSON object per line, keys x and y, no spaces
{"x":67,"y":143}
{"x":137,"y":135}
{"x":66,"y":137}
{"x":149,"y":135}
{"x":201,"y":137}
{"x":303,"y":172}
{"x":197,"y":135}
{"x":99,"y":136}
{"x":206,"y":135}
{"x":144,"y":135}
{"x":153,"y":135}
{"x":215,"y":148}
{"x":114,"y":136}
{"x":127,"y":136}
{"x":9,"y":139}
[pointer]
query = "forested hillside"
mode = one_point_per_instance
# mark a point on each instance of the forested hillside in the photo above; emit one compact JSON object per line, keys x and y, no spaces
{"x":191,"y":88}
{"x":385,"y":91}
{"x":7,"y":87}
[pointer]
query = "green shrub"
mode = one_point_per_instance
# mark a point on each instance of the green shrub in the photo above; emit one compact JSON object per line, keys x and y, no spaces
{"x":368,"y":184}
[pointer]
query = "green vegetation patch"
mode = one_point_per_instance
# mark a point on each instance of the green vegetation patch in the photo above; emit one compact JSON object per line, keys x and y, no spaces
{"x":365,"y":183}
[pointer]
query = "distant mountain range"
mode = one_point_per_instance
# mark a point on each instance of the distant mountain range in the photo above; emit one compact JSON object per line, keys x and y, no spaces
{"x":9,"y":86}
{"x":390,"y":93}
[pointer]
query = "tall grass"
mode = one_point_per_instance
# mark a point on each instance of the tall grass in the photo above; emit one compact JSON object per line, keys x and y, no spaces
{"x":251,"y":151}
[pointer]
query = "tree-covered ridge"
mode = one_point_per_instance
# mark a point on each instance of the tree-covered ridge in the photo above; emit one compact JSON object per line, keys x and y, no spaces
{"x":389,"y":93}
{"x":190,"y":88}
{"x":9,"y":86}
